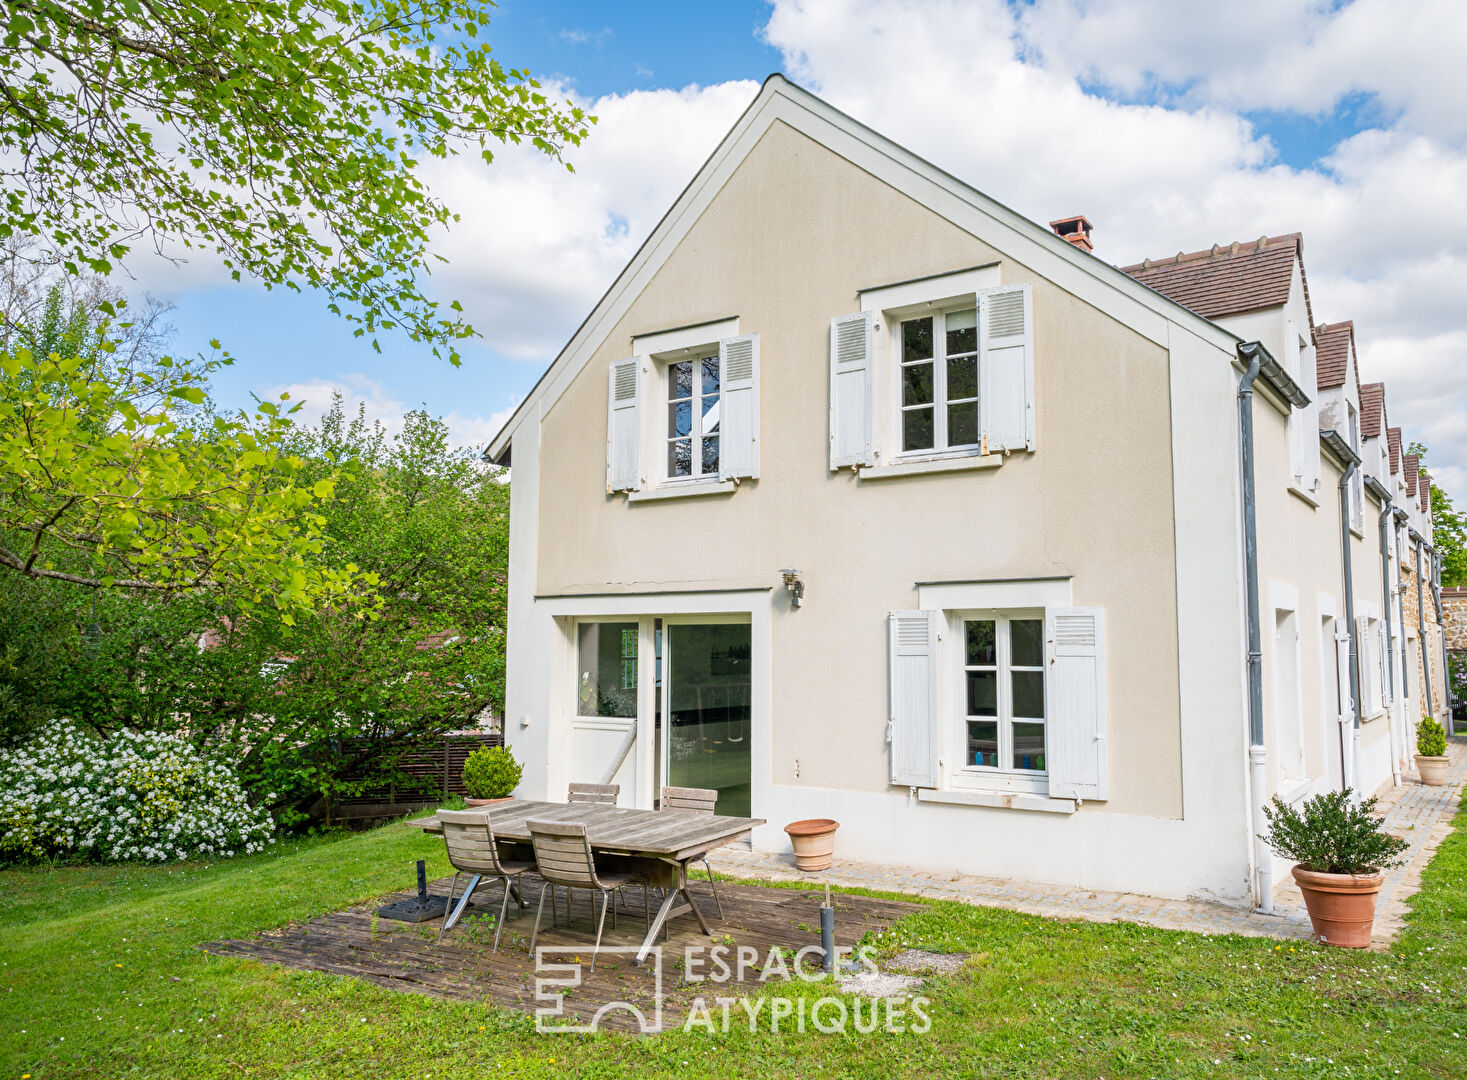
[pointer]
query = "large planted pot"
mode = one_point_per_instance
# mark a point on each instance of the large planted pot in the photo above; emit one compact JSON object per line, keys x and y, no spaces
{"x":1341,"y":906}
{"x":1433,"y":770}
{"x":813,"y":841}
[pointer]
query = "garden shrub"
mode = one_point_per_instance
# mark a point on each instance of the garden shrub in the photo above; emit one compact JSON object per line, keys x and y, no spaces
{"x":1431,"y":739}
{"x":491,"y":772}
{"x":1333,"y":834}
{"x":148,"y":797}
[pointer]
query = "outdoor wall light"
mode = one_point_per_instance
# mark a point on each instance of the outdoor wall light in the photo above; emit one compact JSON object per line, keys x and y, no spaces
{"x":794,"y":585}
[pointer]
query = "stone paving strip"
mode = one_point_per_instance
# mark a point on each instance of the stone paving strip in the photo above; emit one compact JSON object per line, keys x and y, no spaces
{"x":1421,"y":814}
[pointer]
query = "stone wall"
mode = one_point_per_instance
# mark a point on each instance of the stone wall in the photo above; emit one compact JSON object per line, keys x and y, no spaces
{"x":1454,"y":608}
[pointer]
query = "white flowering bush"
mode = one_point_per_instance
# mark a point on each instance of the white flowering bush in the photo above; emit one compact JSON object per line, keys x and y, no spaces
{"x":129,"y":797}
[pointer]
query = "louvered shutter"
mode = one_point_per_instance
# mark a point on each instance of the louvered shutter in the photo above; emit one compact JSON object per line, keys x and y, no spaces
{"x":912,"y":727}
{"x":738,"y":366}
{"x":1006,"y":361}
{"x":1342,"y":664}
{"x":623,"y":426}
{"x":852,"y":344}
{"x":1077,"y":715}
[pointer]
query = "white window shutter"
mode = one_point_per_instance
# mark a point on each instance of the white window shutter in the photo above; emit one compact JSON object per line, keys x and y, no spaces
{"x":1342,"y":663}
{"x":912,"y":727}
{"x":623,"y":426}
{"x":1077,"y":713}
{"x":738,"y":368}
{"x":852,"y":349}
{"x":1006,"y":366}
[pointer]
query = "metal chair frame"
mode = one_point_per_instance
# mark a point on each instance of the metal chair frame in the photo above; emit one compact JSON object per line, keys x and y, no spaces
{"x":701,"y":800}
{"x":472,"y":849}
{"x":564,"y":857}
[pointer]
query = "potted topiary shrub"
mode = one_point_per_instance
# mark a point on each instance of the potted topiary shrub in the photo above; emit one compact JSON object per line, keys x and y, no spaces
{"x":1341,"y":852}
{"x":490,"y":775}
{"x":1431,"y":752}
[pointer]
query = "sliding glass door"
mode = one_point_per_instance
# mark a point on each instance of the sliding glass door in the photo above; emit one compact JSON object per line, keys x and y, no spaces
{"x":706,"y":710}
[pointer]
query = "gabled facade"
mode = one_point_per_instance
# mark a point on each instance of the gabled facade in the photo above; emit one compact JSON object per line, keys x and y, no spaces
{"x":861,"y":496}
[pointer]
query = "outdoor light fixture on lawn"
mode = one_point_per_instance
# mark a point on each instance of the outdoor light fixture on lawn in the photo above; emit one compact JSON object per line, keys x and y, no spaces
{"x":795,"y":586}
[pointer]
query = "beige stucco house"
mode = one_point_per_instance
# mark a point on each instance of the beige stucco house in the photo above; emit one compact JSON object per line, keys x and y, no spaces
{"x":859,"y":495}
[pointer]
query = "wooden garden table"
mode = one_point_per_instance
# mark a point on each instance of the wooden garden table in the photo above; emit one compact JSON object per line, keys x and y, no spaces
{"x":657,"y":844}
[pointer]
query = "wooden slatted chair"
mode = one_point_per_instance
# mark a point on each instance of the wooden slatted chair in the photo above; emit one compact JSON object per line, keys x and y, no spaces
{"x":702,"y":800}
{"x":593,"y":793}
{"x":563,"y":856}
{"x":472,"y":849}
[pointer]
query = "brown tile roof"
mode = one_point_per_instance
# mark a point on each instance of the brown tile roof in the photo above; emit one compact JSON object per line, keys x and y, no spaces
{"x":1413,"y":464}
{"x":1228,"y":279}
{"x":1334,"y":346}
{"x":1394,"y":440}
{"x":1372,"y":409}
{"x":1425,"y":494}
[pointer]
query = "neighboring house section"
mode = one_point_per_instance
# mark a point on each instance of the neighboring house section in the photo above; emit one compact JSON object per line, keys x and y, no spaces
{"x":861,"y":496}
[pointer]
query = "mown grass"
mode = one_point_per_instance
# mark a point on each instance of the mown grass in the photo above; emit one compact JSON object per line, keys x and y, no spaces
{"x":100,"y":977}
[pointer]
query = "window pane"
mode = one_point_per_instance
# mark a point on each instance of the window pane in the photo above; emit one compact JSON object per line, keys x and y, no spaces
{"x":917,"y":384}
{"x":1027,"y":638}
{"x":983,"y":743}
{"x":710,"y":454}
{"x":710,"y":374}
{"x":1028,"y":693}
{"x":982,"y":693}
{"x":982,"y":642}
{"x":917,"y":429}
{"x":962,"y":378}
{"x":607,"y":679}
{"x":679,"y":418}
{"x":680,"y":457}
{"x":680,"y":379}
{"x":917,"y":339}
{"x":962,"y":423}
{"x":1029,"y":746}
{"x":962,"y":331}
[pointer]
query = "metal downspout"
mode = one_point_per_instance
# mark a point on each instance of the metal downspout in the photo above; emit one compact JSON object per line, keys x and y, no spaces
{"x":1253,"y":353}
{"x":1390,"y":666}
{"x":1421,"y":634}
{"x":1354,"y":736}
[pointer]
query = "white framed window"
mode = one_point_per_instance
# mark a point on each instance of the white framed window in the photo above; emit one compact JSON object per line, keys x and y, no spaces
{"x":938,"y":378}
{"x":930,"y":370}
{"x":1003,"y":699}
{"x":1357,"y":482}
{"x":999,"y":699}
{"x":691,"y":389}
{"x":684,"y":409}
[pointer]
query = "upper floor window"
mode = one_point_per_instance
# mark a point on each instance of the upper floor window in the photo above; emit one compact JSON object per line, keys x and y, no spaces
{"x":692,"y":417}
{"x":940,"y":381}
{"x":939,"y":368}
{"x":683,"y":409}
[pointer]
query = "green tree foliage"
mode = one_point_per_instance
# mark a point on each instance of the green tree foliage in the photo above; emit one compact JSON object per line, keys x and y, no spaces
{"x":285,"y":135}
{"x":1449,"y":528}
{"x":114,"y":471}
{"x":321,"y":709}
{"x":1332,"y":833}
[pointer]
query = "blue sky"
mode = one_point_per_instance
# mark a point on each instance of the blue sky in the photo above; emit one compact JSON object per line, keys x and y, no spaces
{"x":1341,"y":120}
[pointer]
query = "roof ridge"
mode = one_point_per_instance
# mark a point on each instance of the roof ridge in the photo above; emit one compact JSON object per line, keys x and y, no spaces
{"x":1235,"y":247}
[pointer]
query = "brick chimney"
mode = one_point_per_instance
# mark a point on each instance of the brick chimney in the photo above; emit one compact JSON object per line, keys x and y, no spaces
{"x":1074,"y":229}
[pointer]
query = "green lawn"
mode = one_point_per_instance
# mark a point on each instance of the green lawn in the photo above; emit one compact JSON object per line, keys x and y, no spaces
{"x":99,"y":976}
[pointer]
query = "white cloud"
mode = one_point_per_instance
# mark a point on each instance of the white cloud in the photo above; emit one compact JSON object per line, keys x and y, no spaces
{"x":379,"y":406}
{"x":1004,"y":97}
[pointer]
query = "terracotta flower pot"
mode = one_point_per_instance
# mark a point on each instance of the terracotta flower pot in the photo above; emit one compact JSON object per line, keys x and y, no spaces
{"x":813,"y":841}
{"x":1341,"y":906}
{"x":1433,"y":770}
{"x":488,"y":802}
